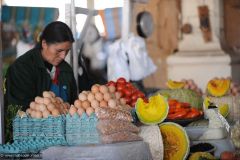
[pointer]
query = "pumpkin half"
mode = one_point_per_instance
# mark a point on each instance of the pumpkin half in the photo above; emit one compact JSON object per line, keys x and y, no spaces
{"x":175,"y":84}
{"x":175,"y":140}
{"x":218,"y":87}
{"x":153,"y":112}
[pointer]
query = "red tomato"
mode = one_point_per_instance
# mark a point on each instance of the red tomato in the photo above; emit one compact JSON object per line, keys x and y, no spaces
{"x":129,"y":85}
{"x":120,"y":87}
{"x":133,"y":103}
{"x":127,"y":92}
{"x":177,"y":115}
{"x":121,"y":80}
{"x":140,"y":94}
{"x":111,"y":83}
{"x":134,"y":96}
{"x":128,"y":100}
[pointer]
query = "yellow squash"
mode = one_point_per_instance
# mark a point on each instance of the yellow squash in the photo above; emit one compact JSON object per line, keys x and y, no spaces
{"x":218,"y":87}
{"x":153,"y":112}
{"x":175,"y":140}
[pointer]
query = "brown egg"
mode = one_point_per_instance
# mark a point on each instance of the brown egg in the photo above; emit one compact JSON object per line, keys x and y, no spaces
{"x":106,"y":96}
{"x":112,"y":103}
{"x":89,"y":111}
{"x":59,"y":100}
{"x":45,"y":114}
{"x":90,"y":97}
{"x":86,"y":104}
{"x":111,"y":89}
{"x":122,"y":101}
{"x":42,"y":107}
{"x":95,"y":88}
{"x":53,"y":100}
{"x":39,"y":100}
{"x":103,"y":89}
{"x":94,"y":103}
{"x":80,"y":111}
{"x":118,"y":95}
{"x":28,"y":111}
{"x":38,"y":114}
{"x":47,"y":94}
{"x":33,"y":113}
{"x":82,"y":96}
{"x":77,"y":103}
{"x":103,"y":104}
{"x":32,"y":105}
{"x":51,"y":106}
{"x":55,"y":112}
{"x":46,"y":100}
{"x":52,"y":93}
{"x":72,"y":110}
{"x":99,"y":96}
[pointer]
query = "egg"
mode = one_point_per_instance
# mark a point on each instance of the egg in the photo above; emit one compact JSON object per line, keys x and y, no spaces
{"x":32,"y":105}
{"x":106,"y":96}
{"x":28,"y":111}
{"x":66,"y":105}
{"x":112,"y":103}
{"x":52,"y":93}
{"x":33,"y":113}
{"x":82,"y":96}
{"x":47,"y":94}
{"x":86,"y":104}
{"x":122,"y":101}
{"x":90,"y":97}
{"x":46,"y":100}
{"x":55,"y":112}
{"x":59,"y":99}
{"x":94,"y":103}
{"x":51,"y":106}
{"x":42,"y":107}
{"x":80,"y":111}
{"x":111,"y":89}
{"x":53,"y":99}
{"x":118,"y":95}
{"x":103,"y":89}
{"x":77,"y":103}
{"x":95,"y":88}
{"x":39,"y":100}
{"x":89,"y":111}
{"x":72,"y":110}
{"x":99,"y":96}
{"x":38,"y":114}
{"x":45,"y":113}
{"x":103,"y":104}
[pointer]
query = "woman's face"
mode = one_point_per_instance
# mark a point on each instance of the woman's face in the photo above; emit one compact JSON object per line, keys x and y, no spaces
{"x":55,"y":53}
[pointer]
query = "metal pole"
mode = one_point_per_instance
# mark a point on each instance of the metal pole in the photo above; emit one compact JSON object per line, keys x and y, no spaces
{"x":1,"y":88}
{"x":126,"y":19}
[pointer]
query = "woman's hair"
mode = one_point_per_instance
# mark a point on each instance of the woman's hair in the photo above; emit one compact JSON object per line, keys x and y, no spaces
{"x":56,"y":32}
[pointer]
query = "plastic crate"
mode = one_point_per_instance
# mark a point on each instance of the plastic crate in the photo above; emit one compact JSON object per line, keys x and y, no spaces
{"x":45,"y":128}
{"x":81,"y":130}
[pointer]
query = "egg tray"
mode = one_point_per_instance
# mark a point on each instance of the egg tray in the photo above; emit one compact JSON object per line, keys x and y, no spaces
{"x":29,"y":146}
{"x":81,"y":129}
{"x":45,"y":128}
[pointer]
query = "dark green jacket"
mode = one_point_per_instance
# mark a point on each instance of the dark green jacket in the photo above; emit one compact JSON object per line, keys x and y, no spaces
{"x":27,"y":78}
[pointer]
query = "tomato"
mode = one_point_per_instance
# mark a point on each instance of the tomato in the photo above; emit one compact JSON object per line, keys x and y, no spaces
{"x":191,"y":114}
{"x":111,"y":83}
{"x":140,"y":94}
{"x":227,"y":155}
{"x":185,"y":105}
{"x":177,"y":115}
{"x":133,"y":103}
{"x":134,"y":96}
{"x":128,"y":100}
{"x":121,"y":80}
{"x":120,"y":87}
{"x":172,"y":102}
{"x":129,"y":85}
{"x":127,"y":92}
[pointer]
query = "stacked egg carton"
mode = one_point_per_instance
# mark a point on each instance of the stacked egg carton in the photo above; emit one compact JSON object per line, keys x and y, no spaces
{"x":81,"y":129}
{"x":47,"y":128}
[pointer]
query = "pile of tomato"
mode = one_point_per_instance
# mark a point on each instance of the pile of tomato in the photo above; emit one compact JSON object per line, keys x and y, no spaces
{"x":181,"y":110}
{"x":127,"y":90}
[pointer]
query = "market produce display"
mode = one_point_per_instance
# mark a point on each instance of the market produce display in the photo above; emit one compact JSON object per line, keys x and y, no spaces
{"x":218,"y":87}
{"x":152,"y":112}
{"x":176,"y":141}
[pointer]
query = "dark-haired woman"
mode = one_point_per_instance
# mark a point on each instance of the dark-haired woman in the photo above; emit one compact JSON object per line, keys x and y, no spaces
{"x":43,"y":68}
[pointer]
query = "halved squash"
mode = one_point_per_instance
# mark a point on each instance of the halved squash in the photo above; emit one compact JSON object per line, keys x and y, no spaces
{"x":175,"y":140}
{"x":153,"y":112}
{"x":218,"y":87}
{"x":175,"y":84}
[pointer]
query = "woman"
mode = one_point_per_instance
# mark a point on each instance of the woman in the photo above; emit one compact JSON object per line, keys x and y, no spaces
{"x":43,"y":68}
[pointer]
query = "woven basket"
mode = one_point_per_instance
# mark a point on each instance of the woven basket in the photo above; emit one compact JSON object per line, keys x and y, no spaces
{"x":81,"y":130}
{"x":45,"y":128}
